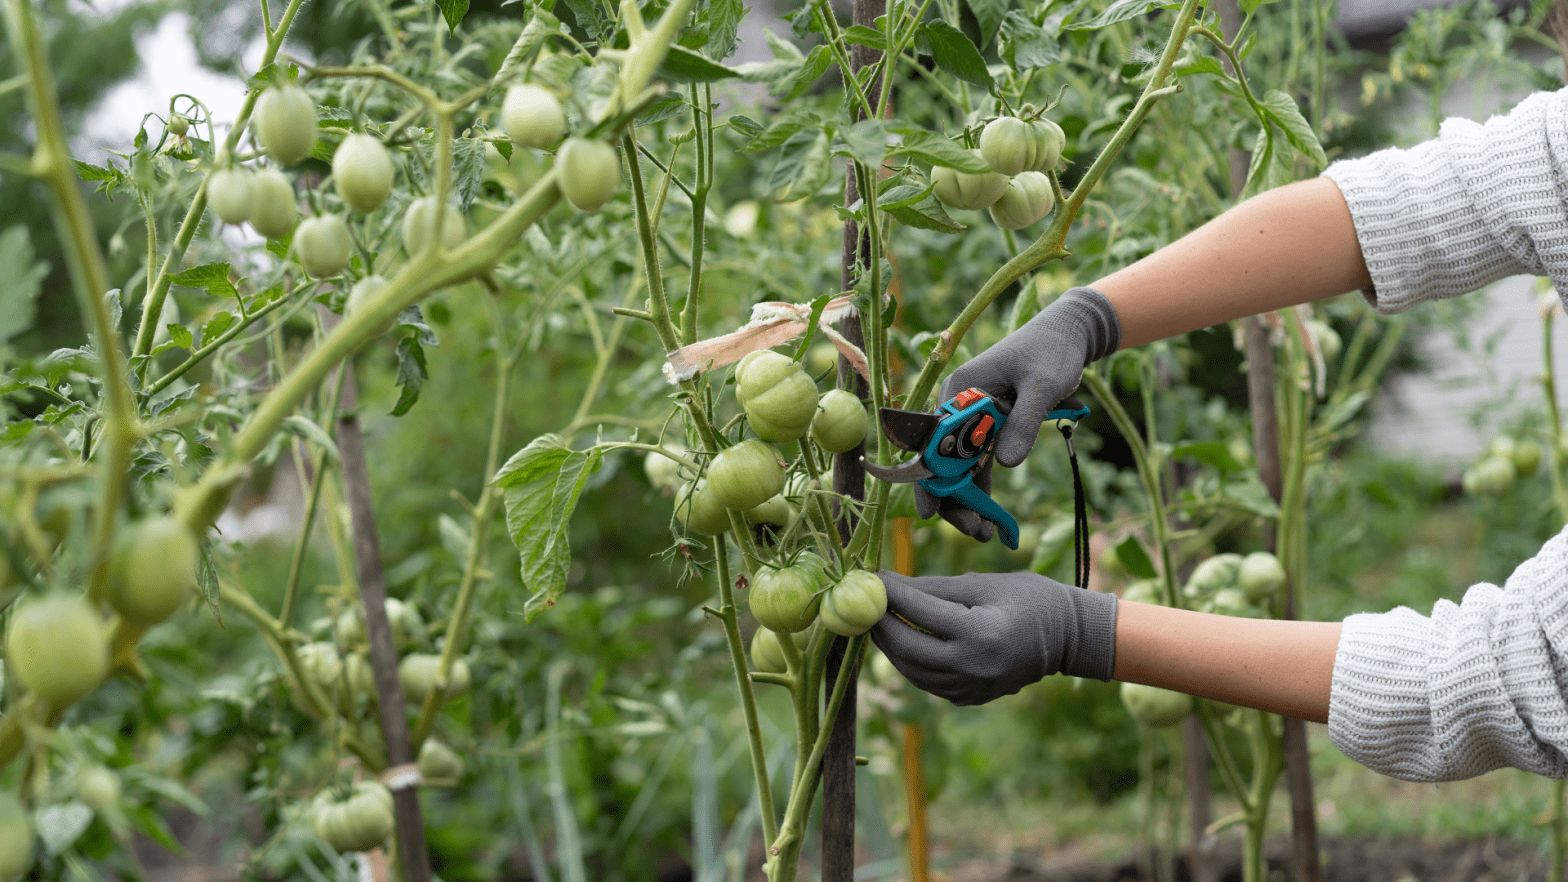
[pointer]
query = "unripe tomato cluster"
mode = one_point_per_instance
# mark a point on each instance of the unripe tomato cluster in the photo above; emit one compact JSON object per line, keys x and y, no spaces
{"x":1017,"y":191}
{"x":1235,"y":584}
{"x":1505,"y":460}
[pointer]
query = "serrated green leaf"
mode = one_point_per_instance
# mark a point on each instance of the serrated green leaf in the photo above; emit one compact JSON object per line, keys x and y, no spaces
{"x":804,"y":165}
{"x":864,"y":36}
{"x":1272,"y":165}
{"x":782,"y":129}
{"x":745,"y":125}
{"x":1132,"y":556}
{"x":817,"y":306}
{"x":453,"y":11}
{"x":956,"y":54}
{"x":935,"y":149}
{"x":89,"y":172}
{"x":1282,"y":109}
{"x":668,"y":107}
{"x":211,"y":277}
{"x":181,"y":337}
{"x":541,"y":24}
{"x":1199,"y":64}
{"x":468,"y":170}
{"x":275,"y":74}
{"x":1250,"y":494}
{"x":215,"y":327}
{"x":989,"y":15}
{"x":303,"y":428}
{"x":1117,"y":12}
{"x":1210,"y":453}
{"x":683,"y":65}
{"x":927,"y":214}
{"x":866,"y":141}
{"x":817,"y":63}
{"x":723,"y":26}
{"x":21,"y":278}
{"x":901,"y":195}
{"x":412,"y":371}
{"x":1026,"y":45}
{"x":541,"y":485}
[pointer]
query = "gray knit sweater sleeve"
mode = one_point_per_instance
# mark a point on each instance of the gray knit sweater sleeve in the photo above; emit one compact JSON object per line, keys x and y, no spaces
{"x":1479,"y":202}
{"x":1473,"y":687}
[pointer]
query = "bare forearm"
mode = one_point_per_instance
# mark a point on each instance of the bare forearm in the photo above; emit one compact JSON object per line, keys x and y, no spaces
{"x":1291,"y":245}
{"x":1279,"y":666}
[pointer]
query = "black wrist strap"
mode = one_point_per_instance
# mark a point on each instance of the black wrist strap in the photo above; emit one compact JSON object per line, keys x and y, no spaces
{"x":1080,"y":511}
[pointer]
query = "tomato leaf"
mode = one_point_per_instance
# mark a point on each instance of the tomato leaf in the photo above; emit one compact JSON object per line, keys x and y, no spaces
{"x":811,"y":326}
{"x":668,"y":107}
{"x":412,"y":372}
{"x":1201,"y":64}
{"x":783,"y":129}
{"x":745,"y":126}
{"x":864,"y":36}
{"x":723,"y":26}
{"x":453,"y":11}
{"x":179,"y":338}
{"x":302,"y":427}
{"x":1120,"y":11}
{"x":540,"y":26}
{"x":468,"y":170}
{"x":956,"y":54}
{"x":1210,"y":453}
{"x":927,"y":214}
{"x":1130,"y":552}
{"x":989,"y":15}
{"x":541,"y":485}
{"x":901,"y":196}
{"x":938,"y":149}
{"x":59,"y":826}
{"x":21,"y":278}
{"x":1271,"y":166}
{"x":866,"y":141}
{"x":211,"y":277}
{"x":1026,"y":45}
{"x":685,"y":66}
{"x":1282,"y":109}
{"x":216,"y":326}
{"x":803,"y":166}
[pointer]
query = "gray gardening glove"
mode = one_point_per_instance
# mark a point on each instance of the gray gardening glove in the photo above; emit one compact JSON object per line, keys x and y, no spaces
{"x":1032,"y":369}
{"x":992,"y":634}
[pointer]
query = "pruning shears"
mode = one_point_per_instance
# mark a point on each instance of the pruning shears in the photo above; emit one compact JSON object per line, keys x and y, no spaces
{"x":953,"y":443}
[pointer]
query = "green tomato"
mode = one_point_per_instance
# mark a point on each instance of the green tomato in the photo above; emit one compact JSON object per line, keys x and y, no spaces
{"x":840,"y":423}
{"x":361,"y":296}
{"x":361,"y":822}
{"x":1144,"y":591}
{"x":228,"y":192}
{"x":362,"y":170}
{"x":178,"y":125}
{"x":1527,"y":457}
{"x":320,"y":664}
{"x":439,"y":763}
{"x":588,"y":172}
{"x":854,"y":604}
{"x":700,"y":511}
{"x":1013,"y":145}
{"x":1028,"y":198}
{"x":1327,"y":338}
{"x":1492,"y":476}
{"x":323,"y":246}
{"x":285,"y":123}
{"x":533,"y":117}
{"x":416,"y":673}
{"x":775,"y":512}
{"x":1213,"y":574}
{"x":1261,"y":575}
{"x":1153,"y":706}
{"x":153,"y":570}
{"x":664,"y":474}
{"x":786,"y":600}
{"x":98,"y":787}
{"x":273,"y":210}
{"x":970,"y":192}
{"x":778,"y":395}
{"x":419,"y":223}
{"x":746,"y":475}
{"x":17,"y":837}
{"x":57,"y":647}
{"x":767,"y":654}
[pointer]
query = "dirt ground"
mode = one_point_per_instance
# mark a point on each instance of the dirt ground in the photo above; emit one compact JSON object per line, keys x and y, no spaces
{"x":1347,"y":860}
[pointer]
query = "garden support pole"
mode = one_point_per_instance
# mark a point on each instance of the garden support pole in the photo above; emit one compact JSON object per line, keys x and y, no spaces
{"x":1265,"y":446}
{"x":413,"y":856}
{"x":849,"y":478}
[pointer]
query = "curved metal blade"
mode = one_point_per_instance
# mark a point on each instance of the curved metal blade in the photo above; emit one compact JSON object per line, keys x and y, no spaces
{"x":908,"y":429}
{"x":907,"y":473}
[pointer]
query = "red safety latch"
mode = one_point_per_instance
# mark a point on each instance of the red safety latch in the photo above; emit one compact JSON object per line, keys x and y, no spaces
{"x":967,"y":397}
{"x":982,"y":430}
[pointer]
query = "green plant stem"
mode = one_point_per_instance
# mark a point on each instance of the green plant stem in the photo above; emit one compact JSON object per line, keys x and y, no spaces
{"x":822,"y":516}
{"x":312,"y":505}
{"x":212,"y":346}
{"x":175,"y":258}
{"x":484,"y":517}
{"x":702,"y":122}
{"x":1148,"y":472}
{"x":730,"y":616}
{"x":828,"y":21}
{"x":784,"y":851}
{"x":90,"y":277}
{"x":605,"y":355}
{"x":200,"y":505}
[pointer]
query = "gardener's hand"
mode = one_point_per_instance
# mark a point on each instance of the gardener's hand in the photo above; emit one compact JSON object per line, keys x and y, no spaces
{"x":1032,"y":369}
{"x":984,"y":635}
